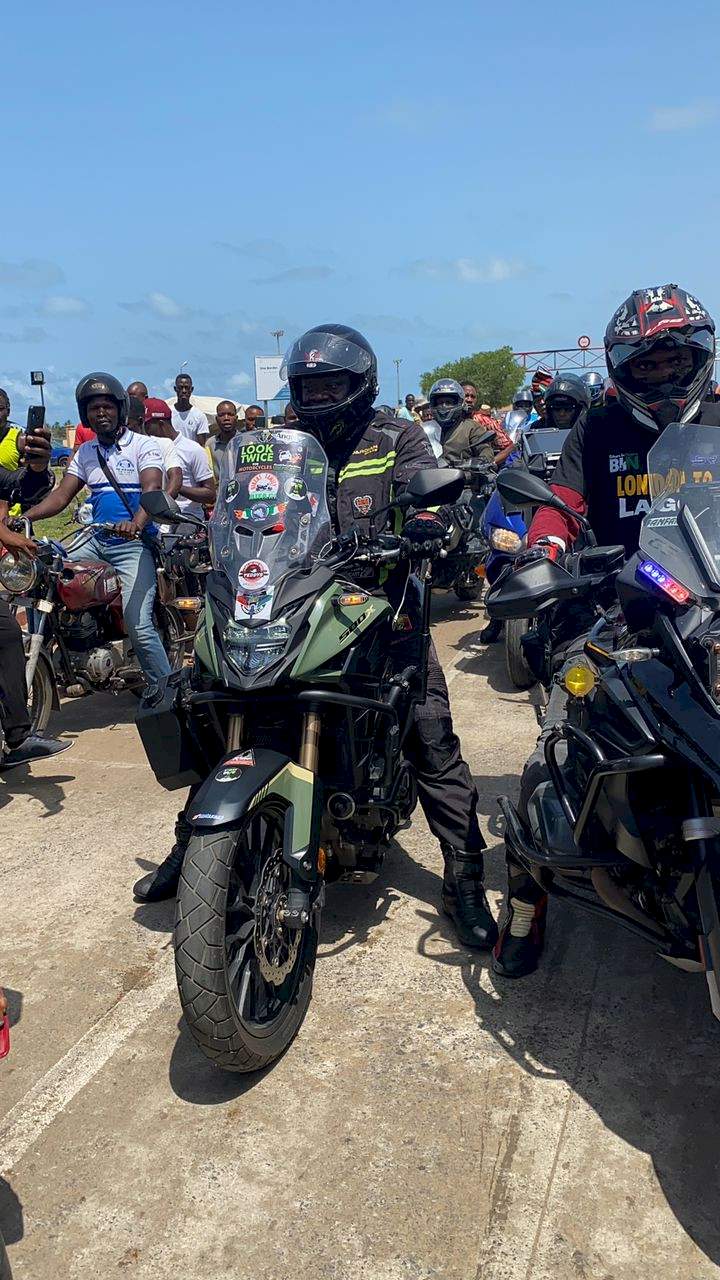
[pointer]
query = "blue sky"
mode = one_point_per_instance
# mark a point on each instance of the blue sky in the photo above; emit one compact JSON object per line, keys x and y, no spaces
{"x":179,"y":181}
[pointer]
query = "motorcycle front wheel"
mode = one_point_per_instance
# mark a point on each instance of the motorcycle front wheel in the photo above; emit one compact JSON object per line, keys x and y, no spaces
{"x":40,"y":699}
{"x":515,"y":660}
{"x":244,"y":978}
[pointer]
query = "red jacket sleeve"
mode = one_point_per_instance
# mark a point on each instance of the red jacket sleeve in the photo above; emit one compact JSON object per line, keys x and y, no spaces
{"x":549,"y":523}
{"x":569,"y":482}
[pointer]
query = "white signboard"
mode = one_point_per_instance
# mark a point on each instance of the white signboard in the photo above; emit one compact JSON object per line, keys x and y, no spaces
{"x":268,"y":383}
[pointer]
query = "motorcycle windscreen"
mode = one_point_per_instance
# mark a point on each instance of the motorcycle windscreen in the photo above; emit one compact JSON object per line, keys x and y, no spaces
{"x":684,"y":472}
{"x":271,"y":515}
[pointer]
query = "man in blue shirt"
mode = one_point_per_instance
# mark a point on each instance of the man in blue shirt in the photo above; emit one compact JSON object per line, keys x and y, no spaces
{"x":117,"y":467}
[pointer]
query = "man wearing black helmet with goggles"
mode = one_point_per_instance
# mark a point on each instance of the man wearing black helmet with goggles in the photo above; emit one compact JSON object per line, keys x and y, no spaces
{"x":660,"y":351}
{"x":332,"y":375}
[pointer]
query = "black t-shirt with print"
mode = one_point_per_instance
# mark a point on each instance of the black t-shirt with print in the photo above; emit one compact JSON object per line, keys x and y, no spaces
{"x":605,"y":460}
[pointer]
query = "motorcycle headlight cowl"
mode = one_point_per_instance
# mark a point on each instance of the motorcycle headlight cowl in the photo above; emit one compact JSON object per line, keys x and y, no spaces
{"x":252,"y":649}
{"x":18,"y":573}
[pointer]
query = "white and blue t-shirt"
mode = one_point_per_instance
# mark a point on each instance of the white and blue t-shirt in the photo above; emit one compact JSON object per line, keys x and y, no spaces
{"x":126,"y":459}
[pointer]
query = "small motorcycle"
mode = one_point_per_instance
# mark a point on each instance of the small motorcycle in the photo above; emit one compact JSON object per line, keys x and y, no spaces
{"x":78,"y":640}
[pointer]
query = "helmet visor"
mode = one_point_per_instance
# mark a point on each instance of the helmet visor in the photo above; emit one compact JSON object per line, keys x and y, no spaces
{"x":641,"y":363}
{"x":322,"y":352}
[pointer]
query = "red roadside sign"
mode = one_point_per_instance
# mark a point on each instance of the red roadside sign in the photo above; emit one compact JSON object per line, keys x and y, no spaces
{"x":583,"y":342}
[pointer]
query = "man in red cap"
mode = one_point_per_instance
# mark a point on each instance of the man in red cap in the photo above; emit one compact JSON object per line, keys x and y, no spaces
{"x":159,"y":411}
{"x":197,"y":484}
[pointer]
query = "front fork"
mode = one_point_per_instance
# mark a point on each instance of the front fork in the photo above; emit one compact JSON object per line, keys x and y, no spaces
{"x":44,"y":608}
{"x":303,"y":897}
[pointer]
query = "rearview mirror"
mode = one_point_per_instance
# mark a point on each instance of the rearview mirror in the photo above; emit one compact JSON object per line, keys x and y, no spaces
{"x":523,"y":488}
{"x":434,"y":487}
{"x":158,"y":504}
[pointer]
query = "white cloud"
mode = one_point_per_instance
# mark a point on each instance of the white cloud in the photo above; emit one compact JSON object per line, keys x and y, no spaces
{"x":64,"y":306}
{"x":159,"y":304}
{"x":492,"y":272}
{"x":240,"y":380}
{"x":164,"y":306}
{"x":692,"y":116}
{"x":467,"y":270}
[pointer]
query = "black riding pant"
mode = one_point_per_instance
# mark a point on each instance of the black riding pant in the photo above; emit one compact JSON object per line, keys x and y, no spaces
{"x":13,"y":693}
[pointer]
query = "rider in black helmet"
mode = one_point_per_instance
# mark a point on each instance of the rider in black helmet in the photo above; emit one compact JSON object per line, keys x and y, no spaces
{"x":332,"y":375}
{"x":566,"y":400}
{"x":117,"y":466}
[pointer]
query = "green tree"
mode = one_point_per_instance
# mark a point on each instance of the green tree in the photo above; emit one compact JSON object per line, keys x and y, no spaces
{"x":495,"y":374}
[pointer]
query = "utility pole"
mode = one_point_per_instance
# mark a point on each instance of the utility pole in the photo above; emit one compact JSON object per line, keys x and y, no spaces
{"x":277,"y":335}
{"x":397,"y":363}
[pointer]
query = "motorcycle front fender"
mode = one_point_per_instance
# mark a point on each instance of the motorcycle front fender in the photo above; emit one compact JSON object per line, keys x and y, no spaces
{"x":248,"y":776}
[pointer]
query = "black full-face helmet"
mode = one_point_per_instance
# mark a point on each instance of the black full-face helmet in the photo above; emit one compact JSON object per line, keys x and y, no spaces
{"x":332,"y":349}
{"x":102,"y":384}
{"x":566,"y":390}
{"x":669,"y":323}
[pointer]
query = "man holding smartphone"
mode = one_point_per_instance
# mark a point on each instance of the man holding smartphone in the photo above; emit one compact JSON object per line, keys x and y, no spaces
{"x":24,"y":456}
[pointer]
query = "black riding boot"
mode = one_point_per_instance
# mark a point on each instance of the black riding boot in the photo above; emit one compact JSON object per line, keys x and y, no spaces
{"x":522,"y":935}
{"x":163,"y":882}
{"x":463,"y":899}
{"x":491,"y":632}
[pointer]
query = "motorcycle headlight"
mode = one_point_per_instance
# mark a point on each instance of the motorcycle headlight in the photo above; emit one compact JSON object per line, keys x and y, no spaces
{"x":505,"y":540}
{"x":254,"y":648}
{"x":18,"y":573}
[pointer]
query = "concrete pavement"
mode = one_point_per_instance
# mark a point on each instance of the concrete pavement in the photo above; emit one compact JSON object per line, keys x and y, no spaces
{"x":429,"y":1120}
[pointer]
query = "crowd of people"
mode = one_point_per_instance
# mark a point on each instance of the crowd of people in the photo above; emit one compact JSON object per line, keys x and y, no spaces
{"x":660,"y":350}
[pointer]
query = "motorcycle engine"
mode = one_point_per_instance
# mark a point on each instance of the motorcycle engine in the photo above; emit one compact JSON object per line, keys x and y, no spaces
{"x":79,"y":631}
{"x":97,"y":665}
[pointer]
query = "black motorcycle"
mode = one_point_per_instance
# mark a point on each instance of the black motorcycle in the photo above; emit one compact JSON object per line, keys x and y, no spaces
{"x":629,"y":823}
{"x":461,"y":567}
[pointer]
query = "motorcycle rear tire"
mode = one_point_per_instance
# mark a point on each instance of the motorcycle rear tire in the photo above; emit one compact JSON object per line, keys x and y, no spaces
{"x":240,"y":1020}
{"x":516,"y":664}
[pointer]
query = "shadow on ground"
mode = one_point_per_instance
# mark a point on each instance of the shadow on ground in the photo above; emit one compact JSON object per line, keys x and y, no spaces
{"x":632,"y":1036}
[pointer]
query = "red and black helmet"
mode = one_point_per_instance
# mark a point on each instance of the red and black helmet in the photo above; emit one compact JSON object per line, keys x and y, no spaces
{"x":658,"y":320}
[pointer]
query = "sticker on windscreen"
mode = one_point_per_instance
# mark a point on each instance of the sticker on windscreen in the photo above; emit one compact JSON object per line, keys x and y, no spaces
{"x":296,"y":488}
{"x":253,"y":605}
{"x":253,"y":575}
{"x":263,"y":485}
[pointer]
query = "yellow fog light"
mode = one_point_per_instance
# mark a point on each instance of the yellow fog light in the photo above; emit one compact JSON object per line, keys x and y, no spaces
{"x":579,"y":681}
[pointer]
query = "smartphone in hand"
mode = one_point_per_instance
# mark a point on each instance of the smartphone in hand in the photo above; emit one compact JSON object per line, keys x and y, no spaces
{"x":35,"y":419}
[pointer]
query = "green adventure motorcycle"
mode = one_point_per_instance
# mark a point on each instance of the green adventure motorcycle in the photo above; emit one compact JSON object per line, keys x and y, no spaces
{"x":290,"y":728}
